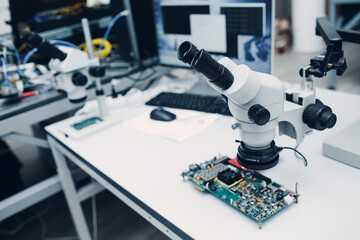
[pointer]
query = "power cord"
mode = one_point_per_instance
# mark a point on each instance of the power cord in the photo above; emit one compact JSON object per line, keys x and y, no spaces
{"x":111,"y":24}
{"x":9,"y":42}
{"x":296,"y":152}
{"x":35,"y":215}
{"x":44,"y":230}
{"x":141,"y":76}
{"x":6,"y":79}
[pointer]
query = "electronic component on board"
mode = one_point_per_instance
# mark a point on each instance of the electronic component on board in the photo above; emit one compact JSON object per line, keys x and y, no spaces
{"x":211,"y":173}
{"x":194,"y":167}
{"x":247,"y":191}
{"x":228,"y":177}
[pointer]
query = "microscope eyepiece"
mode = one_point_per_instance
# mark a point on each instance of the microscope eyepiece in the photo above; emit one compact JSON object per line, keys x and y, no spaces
{"x":202,"y":62}
{"x":43,"y":46}
{"x":187,"y":51}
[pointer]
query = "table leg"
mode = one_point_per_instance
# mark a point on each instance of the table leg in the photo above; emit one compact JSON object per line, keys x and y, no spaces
{"x":70,"y":192}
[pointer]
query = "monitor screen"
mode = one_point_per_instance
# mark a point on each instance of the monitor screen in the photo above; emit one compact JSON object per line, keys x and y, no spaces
{"x":238,"y":29}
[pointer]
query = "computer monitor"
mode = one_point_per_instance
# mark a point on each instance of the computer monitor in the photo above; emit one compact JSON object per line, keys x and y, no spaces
{"x":144,"y":30}
{"x":238,"y":29}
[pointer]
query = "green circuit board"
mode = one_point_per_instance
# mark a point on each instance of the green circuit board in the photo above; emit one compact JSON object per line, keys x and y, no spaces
{"x":87,"y":122}
{"x":249,"y":192}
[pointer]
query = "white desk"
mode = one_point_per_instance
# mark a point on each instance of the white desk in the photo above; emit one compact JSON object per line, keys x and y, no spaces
{"x":144,"y":172}
{"x":33,"y":110}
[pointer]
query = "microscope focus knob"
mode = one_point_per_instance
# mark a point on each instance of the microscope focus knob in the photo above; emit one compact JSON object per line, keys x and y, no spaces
{"x":319,"y":116}
{"x":259,"y":114}
{"x":97,"y":71}
{"x":79,"y":79}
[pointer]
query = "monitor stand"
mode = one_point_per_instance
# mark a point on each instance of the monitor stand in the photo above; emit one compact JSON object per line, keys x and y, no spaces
{"x":203,"y":88}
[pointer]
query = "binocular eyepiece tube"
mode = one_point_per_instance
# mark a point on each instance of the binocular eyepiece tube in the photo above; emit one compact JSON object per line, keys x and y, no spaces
{"x":201,"y":61}
{"x":43,"y":45}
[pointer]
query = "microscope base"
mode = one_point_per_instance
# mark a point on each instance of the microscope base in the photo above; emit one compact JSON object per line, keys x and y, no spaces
{"x":258,"y":159}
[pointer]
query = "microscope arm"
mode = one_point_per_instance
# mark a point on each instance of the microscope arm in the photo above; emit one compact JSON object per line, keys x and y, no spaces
{"x":309,"y":113}
{"x":291,"y":121}
{"x":333,"y":58}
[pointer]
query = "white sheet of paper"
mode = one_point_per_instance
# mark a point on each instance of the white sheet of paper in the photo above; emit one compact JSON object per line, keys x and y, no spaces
{"x":187,"y":124}
{"x":209,"y":32}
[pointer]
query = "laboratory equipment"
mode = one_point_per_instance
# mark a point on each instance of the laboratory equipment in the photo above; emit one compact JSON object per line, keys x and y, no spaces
{"x":259,"y":104}
{"x":74,"y":71}
{"x":70,"y":66}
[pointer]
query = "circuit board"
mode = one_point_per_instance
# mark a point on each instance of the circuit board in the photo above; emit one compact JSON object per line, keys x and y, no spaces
{"x":248,"y":191}
{"x":87,"y":122}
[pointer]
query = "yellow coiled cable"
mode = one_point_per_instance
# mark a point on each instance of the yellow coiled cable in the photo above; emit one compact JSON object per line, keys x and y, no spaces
{"x":106,"y":50}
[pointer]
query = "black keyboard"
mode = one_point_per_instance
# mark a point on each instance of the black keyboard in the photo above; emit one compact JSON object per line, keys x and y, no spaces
{"x":201,"y":103}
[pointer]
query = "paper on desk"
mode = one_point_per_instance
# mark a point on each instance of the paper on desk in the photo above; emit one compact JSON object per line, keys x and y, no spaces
{"x":187,"y":124}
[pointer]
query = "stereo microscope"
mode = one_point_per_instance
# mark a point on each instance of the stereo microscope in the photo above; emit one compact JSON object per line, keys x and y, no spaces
{"x":259,"y":103}
{"x":72,"y":67}
{"x":74,"y":71}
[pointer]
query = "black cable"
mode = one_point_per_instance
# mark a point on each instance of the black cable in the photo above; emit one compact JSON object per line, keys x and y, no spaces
{"x":295,"y":153}
{"x":141,"y":73}
{"x":35,"y":213}
{"x":120,"y":75}
{"x":294,"y":149}
{"x":141,"y":77}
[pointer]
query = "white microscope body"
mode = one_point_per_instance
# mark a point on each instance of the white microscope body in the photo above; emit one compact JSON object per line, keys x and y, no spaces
{"x":259,"y":104}
{"x":251,"y":88}
{"x":73,"y":69}
{"x":69,"y":65}
{"x":72,"y":73}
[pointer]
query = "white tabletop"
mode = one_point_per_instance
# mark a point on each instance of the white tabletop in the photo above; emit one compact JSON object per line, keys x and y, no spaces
{"x":149,"y":167}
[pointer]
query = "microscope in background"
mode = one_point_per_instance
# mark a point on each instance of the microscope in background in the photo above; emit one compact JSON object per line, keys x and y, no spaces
{"x":74,"y":71}
{"x":72,"y":67}
{"x":259,"y":103}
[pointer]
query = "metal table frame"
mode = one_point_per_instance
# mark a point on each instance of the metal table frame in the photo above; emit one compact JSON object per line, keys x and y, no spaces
{"x":74,"y":197}
{"x":9,"y":125}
